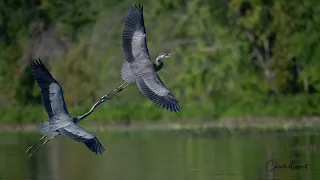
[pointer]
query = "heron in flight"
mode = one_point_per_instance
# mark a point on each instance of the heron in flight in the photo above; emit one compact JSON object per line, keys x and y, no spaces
{"x":60,"y":121}
{"x":138,"y":67}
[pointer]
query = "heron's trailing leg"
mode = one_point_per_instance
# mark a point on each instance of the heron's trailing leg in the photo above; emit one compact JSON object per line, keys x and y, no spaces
{"x":45,"y":142}
{"x":118,"y":89}
{"x":34,"y":144}
{"x":121,"y":87}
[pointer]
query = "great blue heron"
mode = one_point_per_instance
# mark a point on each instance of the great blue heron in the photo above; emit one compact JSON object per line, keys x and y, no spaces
{"x":139,"y":68}
{"x":60,"y":121}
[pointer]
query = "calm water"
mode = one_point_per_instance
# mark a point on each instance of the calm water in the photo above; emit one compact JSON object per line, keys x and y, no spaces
{"x":156,"y":156}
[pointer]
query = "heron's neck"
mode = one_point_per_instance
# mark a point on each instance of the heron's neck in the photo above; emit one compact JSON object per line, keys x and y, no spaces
{"x":88,"y":113}
{"x":159,"y":64}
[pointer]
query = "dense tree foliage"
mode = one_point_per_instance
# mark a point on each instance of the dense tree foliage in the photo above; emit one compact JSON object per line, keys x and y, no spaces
{"x":234,"y":58}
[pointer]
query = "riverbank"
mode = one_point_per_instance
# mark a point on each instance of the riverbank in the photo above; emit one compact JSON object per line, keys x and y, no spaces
{"x":208,"y":128}
{"x":219,"y":109}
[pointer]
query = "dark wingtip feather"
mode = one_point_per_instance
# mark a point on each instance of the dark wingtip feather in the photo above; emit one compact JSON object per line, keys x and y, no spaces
{"x":37,"y":63}
{"x":169,"y":104}
{"x":176,"y":108}
{"x":137,"y":7}
{"x":95,"y":146}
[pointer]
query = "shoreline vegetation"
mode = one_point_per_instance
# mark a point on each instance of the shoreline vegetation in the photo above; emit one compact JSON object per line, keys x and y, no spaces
{"x":260,"y":114}
{"x":223,"y":127}
{"x":221,"y":107}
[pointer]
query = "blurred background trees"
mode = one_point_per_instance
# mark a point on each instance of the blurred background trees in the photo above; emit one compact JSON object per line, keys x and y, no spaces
{"x":234,"y":58}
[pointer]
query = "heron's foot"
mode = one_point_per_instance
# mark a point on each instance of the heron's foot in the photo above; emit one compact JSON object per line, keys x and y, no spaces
{"x":115,"y":92}
{"x":35,"y":144}
{"x":31,"y":154}
{"x":45,"y":142}
{"x":124,"y":86}
{"x":120,"y":89}
{"x":111,"y":95}
{"x":28,"y":149}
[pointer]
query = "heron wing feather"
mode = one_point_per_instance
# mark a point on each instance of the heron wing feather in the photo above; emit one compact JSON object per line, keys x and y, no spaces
{"x":77,"y":133}
{"x":153,"y":88}
{"x":51,"y":91}
{"x":134,"y":40}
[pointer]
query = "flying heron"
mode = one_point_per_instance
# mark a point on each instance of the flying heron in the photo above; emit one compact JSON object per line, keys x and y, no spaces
{"x":138,"y":67}
{"x":60,"y":121}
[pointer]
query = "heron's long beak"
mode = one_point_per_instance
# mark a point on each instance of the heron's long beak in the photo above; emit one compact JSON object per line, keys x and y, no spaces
{"x":169,"y":55}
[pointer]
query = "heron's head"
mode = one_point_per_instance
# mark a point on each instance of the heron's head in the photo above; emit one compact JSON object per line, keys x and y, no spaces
{"x":164,"y":55}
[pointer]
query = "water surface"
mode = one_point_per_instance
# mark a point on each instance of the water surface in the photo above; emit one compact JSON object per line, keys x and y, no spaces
{"x":160,"y":156}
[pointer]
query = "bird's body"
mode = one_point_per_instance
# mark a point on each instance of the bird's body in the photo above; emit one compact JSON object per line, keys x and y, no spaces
{"x":66,"y":126}
{"x":126,"y":73}
{"x":138,"y":67}
{"x":60,"y":122}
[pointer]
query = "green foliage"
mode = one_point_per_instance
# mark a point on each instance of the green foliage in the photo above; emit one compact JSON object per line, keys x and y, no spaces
{"x":222,"y":107}
{"x":235,"y":58}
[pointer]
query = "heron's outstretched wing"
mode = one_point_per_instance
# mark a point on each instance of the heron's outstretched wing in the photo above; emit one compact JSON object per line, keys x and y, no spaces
{"x":51,"y":91}
{"x":134,"y":41}
{"x":77,"y":133}
{"x":152,"y":88}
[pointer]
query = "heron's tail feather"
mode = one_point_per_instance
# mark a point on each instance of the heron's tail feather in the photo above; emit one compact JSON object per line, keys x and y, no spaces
{"x":127,"y":74}
{"x":46,"y":130}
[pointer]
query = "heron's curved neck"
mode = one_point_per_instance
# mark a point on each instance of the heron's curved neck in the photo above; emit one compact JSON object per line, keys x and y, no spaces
{"x":88,"y":113}
{"x":159,"y":64}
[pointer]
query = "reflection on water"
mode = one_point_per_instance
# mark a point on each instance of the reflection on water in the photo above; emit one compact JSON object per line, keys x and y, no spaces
{"x":156,"y":156}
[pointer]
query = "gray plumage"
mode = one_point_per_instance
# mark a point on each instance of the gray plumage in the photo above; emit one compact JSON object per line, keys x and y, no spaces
{"x":139,"y":68}
{"x":60,"y":121}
